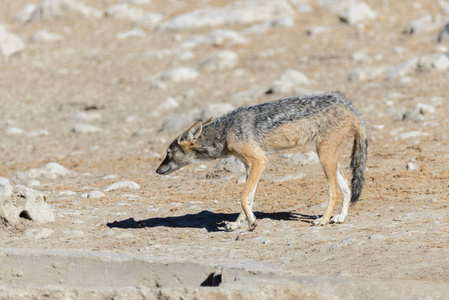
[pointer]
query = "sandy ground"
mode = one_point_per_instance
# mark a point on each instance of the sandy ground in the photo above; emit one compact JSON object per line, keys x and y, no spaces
{"x":398,"y":230}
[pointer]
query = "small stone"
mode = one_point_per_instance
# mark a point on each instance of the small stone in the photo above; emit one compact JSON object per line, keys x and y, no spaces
{"x":358,"y":13}
{"x":13,"y":131}
{"x":410,"y":134}
{"x":86,"y":128}
{"x":124,"y":11}
{"x":87,"y":116}
{"x":412,"y":166}
{"x":179,"y":74}
{"x":45,"y":36}
{"x":424,"y":24}
{"x":302,"y":158}
{"x":9,"y":42}
{"x":122,"y":185}
{"x":376,"y":236}
{"x":291,"y":81}
{"x":136,"y":32}
{"x":33,"y":183}
{"x":95,"y":194}
{"x":49,"y":171}
{"x":218,"y":61}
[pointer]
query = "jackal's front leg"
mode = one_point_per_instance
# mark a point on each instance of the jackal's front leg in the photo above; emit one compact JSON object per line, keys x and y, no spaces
{"x":256,"y":162}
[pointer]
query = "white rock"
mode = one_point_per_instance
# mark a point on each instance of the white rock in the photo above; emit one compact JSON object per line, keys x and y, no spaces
{"x":33,"y":183}
{"x":404,"y":69}
{"x":262,"y":27}
{"x":150,"y":19}
{"x":424,"y":24}
{"x":85,"y":128}
{"x":302,"y":158}
{"x":12,"y":130}
{"x":49,"y":171}
{"x":124,"y":11}
{"x":410,"y":134}
{"x":358,"y":13}
{"x":237,"y":13}
{"x":367,"y":73}
{"x":177,"y":122}
{"x":122,"y":185}
{"x":314,"y":30}
{"x":52,"y":9}
{"x":9,"y":42}
{"x":136,"y":32}
{"x":338,"y":7}
{"x":224,"y":37}
{"x":169,"y":104}
{"x":437,"y":62}
{"x":218,"y":61}
{"x":214,"y":110}
{"x":45,"y":36}
{"x":412,"y":166}
{"x":39,"y":132}
{"x":95,"y":194}
{"x":419,"y":112}
{"x":87,"y":115}
{"x":178,"y":75}
{"x":231,"y":164}
{"x":20,"y":201}
{"x":291,"y":81}
{"x":38,"y":233}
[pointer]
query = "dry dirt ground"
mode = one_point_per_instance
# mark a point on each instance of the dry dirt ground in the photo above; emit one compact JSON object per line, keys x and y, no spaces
{"x":398,"y":230}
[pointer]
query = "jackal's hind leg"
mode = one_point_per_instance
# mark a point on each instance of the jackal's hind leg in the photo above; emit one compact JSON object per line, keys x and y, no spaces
{"x":329,"y":153}
{"x":346,"y":193}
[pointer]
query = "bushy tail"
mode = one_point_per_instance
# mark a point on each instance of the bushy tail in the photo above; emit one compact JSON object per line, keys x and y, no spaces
{"x":358,"y":163}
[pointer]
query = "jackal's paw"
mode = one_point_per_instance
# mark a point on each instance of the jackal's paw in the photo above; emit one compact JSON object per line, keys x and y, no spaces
{"x":231,"y":226}
{"x":252,"y":226}
{"x":320,"y":221}
{"x":338,"y":219}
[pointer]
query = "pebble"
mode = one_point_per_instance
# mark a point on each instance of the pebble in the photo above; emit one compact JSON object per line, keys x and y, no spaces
{"x":12,"y":130}
{"x":124,"y":11}
{"x":33,"y":183}
{"x":290,"y":81}
{"x":238,"y":13}
{"x":410,"y":134}
{"x":95,"y":194}
{"x":122,"y":185}
{"x":302,"y":158}
{"x":358,"y":12}
{"x":376,"y":236}
{"x":136,"y":32}
{"x":87,"y":116}
{"x":86,"y":128}
{"x":51,"y":9}
{"x":178,"y":75}
{"x":38,"y":233}
{"x":49,"y":171}
{"x":45,"y":36}
{"x":219,"y":61}
{"x":412,"y":166}
{"x":424,"y":24}
{"x":230,"y":164}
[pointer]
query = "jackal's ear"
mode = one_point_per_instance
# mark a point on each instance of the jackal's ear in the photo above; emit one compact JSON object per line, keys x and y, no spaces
{"x":190,"y":136}
{"x":208,"y":121}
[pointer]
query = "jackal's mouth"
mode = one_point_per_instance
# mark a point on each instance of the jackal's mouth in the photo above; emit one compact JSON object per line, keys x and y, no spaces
{"x":163,"y":170}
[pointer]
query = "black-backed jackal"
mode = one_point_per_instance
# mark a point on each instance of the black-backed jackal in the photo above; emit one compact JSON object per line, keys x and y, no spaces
{"x":248,"y":133}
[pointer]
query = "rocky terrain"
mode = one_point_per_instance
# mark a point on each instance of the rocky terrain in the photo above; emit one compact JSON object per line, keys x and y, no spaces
{"x":93,"y":92}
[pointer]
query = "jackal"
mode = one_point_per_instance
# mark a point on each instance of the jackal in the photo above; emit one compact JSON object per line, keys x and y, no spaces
{"x":249,"y":133}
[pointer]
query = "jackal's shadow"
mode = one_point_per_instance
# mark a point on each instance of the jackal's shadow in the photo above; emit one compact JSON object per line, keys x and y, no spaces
{"x":206,"y":219}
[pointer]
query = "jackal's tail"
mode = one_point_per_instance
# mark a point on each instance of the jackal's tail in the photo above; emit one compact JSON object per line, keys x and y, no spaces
{"x":358,"y":162}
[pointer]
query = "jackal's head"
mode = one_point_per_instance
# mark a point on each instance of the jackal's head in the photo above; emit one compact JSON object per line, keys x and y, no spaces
{"x":181,"y":151}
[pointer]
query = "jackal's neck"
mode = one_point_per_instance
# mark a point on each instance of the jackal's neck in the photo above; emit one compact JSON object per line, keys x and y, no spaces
{"x":212,"y":142}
